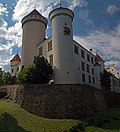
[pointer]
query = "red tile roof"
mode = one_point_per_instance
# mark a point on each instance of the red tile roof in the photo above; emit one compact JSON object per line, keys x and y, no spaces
{"x":16,"y":58}
{"x":98,"y":58}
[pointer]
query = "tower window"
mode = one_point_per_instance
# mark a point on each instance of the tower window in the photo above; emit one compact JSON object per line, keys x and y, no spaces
{"x":12,"y":70}
{"x":40,"y":50}
{"x":51,"y":59}
{"x":17,"y":68}
{"x":82,"y":53}
{"x":76,"y":49}
{"x":22,"y":67}
{"x":50,"y":45}
{"x":65,"y":24}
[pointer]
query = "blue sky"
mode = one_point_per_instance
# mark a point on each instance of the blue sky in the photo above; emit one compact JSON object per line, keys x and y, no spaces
{"x":96,"y":25}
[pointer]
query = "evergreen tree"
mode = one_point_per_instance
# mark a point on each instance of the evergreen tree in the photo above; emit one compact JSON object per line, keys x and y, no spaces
{"x":43,"y":70}
{"x":8,"y":79}
{"x":26,"y":75}
{"x":39,"y":73}
{"x":105,"y":80}
{"x":1,"y":75}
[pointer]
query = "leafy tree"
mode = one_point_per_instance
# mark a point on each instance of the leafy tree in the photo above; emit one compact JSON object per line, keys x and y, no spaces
{"x":43,"y":70}
{"x":8,"y":79}
{"x":26,"y":75}
{"x":40,"y":72}
{"x":105,"y":80}
{"x":1,"y":75}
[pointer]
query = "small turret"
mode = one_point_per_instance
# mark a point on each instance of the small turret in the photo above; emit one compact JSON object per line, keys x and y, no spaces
{"x":99,"y":68}
{"x":15,"y":63}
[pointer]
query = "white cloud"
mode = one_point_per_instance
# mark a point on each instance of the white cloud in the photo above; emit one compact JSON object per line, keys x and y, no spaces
{"x":107,"y":44}
{"x":3,"y":9}
{"x":112,"y":9}
{"x":84,"y":15}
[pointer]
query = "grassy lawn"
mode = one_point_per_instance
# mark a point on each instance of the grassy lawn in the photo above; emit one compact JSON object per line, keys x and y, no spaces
{"x":15,"y":119}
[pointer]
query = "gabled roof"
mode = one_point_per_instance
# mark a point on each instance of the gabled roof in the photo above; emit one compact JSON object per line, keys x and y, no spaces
{"x":34,"y":12}
{"x":16,"y":58}
{"x":98,"y":58}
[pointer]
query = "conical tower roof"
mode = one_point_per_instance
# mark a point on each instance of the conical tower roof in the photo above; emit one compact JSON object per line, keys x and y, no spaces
{"x":98,"y":58}
{"x":34,"y":15}
{"x":16,"y":58}
{"x":34,"y":12}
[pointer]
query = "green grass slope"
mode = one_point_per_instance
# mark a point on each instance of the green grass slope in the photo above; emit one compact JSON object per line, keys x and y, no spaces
{"x":15,"y":119}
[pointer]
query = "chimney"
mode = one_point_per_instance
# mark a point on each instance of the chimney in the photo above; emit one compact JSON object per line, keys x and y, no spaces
{"x":91,"y":50}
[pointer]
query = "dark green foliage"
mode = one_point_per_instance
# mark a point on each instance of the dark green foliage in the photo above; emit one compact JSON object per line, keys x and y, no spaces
{"x":9,"y":124}
{"x":1,"y":74}
{"x":8,"y":79}
{"x":26,"y":75}
{"x":43,"y":70}
{"x":39,"y":73}
{"x":105,"y":80}
{"x":78,"y":128}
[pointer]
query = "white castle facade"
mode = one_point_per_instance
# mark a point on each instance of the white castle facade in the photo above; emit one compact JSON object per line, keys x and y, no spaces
{"x":72,"y":63}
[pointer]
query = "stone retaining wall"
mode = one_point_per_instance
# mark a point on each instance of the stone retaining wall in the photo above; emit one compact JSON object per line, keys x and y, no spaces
{"x":61,"y":101}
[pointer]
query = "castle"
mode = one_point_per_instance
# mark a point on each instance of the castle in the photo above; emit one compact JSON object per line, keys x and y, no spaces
{"x":72,"y":63}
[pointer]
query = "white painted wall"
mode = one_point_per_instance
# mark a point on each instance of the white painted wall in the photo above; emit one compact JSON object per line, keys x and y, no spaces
{"x":64,"y":70}
{"x":33,"y":34}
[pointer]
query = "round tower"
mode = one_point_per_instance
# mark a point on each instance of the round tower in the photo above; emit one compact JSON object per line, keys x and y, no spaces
{"x":34,"y":25}
{"x":62,"y":40}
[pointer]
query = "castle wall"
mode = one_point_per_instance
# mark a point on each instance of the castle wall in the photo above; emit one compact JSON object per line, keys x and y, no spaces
{"x":61,"y":101}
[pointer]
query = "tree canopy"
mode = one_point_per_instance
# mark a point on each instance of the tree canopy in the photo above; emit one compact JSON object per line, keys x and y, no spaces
{"x":39,"y":73}
{"x":105,"y":80}
{"x":6,"y":78}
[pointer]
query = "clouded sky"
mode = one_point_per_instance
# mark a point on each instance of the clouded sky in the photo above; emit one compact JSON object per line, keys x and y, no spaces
{"x":96,"y":25}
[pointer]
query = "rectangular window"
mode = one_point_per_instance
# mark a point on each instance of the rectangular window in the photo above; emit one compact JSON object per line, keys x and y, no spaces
{"x":93,"y":79}
{"x":89,"y":79}
{"x":82,"y":53}
{"x":115,"y":83}
{"x":88,"y":68}
{"x":88,"y":57}
{"x":83,"y":65}
{"x":76,"y":50}
{"x":83,"y":77}
{"x":40,"y":50}
{"x":50,"y":45}
{"x":22,"y":67}
{"x":51,"y":59}
{"x":12,"y":70}
{"x":17,"y":68}
{"x":92,"y":60}
{"x":92,"y":70}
